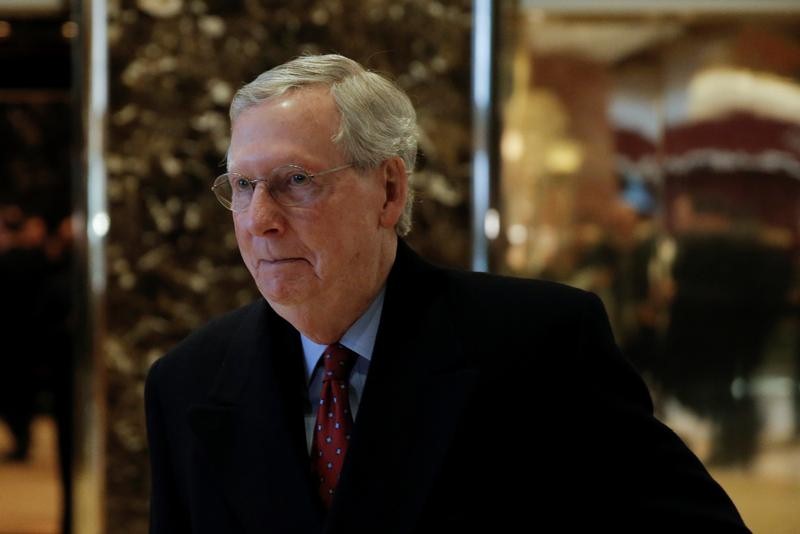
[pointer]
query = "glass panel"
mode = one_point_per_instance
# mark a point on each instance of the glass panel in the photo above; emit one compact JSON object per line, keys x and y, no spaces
{"x":36,"y":304}
{"x":655,"y":160}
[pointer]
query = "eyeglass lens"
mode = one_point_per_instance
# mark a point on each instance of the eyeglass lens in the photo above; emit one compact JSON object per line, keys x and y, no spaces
{"x":289,"y":185}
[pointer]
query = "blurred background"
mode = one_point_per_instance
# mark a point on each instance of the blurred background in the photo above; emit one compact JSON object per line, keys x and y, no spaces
{"x":648,"y":151}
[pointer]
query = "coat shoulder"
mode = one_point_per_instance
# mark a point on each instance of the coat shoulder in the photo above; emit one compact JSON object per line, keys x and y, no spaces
{"x":199,"y":356}
{"x":536,"y":324}
{"x":506,"y":298}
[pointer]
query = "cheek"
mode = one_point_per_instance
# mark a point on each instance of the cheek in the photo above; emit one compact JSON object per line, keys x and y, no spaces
{"x":243,"y":242}
{"x":239,"y":236}
{"x":334,"y":253}
{"x":237,"y":228}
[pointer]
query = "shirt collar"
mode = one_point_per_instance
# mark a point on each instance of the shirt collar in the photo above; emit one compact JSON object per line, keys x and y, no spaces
{"x":360,"y":337}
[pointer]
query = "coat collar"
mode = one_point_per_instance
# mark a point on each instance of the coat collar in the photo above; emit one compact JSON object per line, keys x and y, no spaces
{"x":415,"y":390}
{"x":252,"y":427}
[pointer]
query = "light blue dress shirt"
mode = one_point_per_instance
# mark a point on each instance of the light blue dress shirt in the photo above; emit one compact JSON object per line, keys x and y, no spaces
{"x":360,"y":338}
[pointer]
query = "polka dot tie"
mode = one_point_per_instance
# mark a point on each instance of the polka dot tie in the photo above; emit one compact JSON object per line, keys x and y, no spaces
{"x":334,"y":420}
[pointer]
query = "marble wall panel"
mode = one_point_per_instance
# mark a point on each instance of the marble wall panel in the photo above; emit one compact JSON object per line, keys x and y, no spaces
{"x":172,"y":259}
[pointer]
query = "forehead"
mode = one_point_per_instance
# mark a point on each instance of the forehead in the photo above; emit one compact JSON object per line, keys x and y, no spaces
{"x":297,"y":127}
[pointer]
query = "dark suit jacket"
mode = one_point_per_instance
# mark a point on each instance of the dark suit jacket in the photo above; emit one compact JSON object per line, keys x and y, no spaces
{"x":492,"y":404}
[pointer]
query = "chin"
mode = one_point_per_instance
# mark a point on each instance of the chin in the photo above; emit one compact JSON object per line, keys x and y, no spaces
{"x":284,"y":294}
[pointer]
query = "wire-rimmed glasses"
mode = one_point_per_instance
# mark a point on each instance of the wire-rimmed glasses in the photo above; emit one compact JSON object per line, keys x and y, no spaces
{"x":289,"y":185}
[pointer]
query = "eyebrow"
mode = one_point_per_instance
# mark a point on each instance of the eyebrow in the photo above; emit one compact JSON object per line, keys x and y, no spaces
{"x":292,"y":159}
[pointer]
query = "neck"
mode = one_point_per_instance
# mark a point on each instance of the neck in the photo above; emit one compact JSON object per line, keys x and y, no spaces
{"x":327,"y":321}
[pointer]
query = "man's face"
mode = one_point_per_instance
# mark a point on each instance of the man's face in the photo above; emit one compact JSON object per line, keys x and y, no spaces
{"x":316,"y":254}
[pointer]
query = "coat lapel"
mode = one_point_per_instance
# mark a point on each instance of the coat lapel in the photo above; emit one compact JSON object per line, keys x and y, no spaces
{"x":252,"y":434}
{"x":417,"y":386}
{"x":251,"y":431}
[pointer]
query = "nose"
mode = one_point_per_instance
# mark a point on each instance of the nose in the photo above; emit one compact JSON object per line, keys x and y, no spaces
{"x":264,"y":216}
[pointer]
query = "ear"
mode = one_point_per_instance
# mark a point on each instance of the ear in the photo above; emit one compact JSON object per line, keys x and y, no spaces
{"x":394,"y":179}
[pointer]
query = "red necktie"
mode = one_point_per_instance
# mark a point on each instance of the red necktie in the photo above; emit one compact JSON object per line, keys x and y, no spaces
{"x":334,"y":420}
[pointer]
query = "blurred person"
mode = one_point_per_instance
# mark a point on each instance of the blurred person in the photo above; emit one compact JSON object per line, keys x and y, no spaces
{"x":730,"y":291}
{"x":370,"y":391}
{"x":640,"y":310}
{"x":54,"y":314}
{"x":22,"y":266}
{"x":12,"y":216}
{"x":6,"y":237}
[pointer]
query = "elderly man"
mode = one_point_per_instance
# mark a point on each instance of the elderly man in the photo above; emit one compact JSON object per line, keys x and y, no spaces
{"x":369,"y":391}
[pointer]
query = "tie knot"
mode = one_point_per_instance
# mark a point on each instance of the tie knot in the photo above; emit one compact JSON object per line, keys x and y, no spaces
{"x":337,"y":360}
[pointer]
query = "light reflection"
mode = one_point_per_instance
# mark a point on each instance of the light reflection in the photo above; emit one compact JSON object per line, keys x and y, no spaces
{"x":69,"y":30}
{"x":720,"y":91}
{"x":491,"y":224}
{"x":676,"y":204}
{"x":564,"y":157}
{"x":517,"y":234}
{"x":512,"y":145}
{"x":100,"y":224}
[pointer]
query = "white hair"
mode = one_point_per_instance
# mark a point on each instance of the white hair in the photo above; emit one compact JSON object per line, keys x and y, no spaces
{"x":378,"y":121}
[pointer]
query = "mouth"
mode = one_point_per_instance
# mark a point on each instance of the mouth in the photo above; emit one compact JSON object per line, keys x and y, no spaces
{"x":279,"y":261}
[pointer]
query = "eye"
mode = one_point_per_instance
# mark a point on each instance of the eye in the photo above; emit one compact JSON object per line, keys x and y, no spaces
{"x":240,"y":183}
{"x":298,"y":179}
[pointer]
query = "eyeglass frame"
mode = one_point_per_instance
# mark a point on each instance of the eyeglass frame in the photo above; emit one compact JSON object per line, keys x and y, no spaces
{"x":254,"y":181}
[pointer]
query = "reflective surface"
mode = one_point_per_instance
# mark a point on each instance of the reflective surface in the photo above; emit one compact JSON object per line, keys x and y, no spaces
{"x":655,"y":160}
{"x":172,"y":258}
{"x":36,"y":304}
